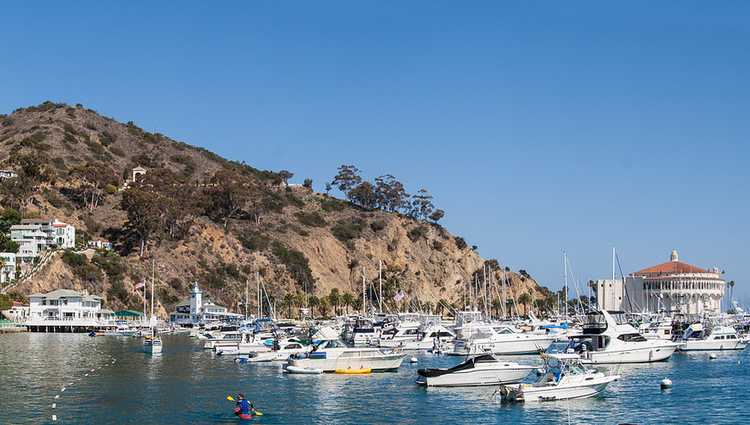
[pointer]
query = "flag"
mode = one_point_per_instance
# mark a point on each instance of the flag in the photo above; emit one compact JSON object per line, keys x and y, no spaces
{"x":399,"y":296}
{"x":140,"y":285}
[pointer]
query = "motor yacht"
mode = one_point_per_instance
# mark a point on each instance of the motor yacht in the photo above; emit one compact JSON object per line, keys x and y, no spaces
{"x":431,"y":337}
{"x":333,"y":355}
{"x":700,"y":338}
{"x":604,"y":341}
{"x":223,"y":340}
{"x":480,"y":370}
{"x":501,"y":339}
{"x":564,"y":378}
{"x":249,"y":343}
{"x":280,"y":352}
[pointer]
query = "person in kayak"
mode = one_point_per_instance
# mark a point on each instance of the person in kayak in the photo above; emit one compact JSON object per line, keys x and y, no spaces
{"x":244,"y":408}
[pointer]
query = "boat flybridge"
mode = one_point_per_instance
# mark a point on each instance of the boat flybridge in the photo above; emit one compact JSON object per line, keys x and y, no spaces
{"x":480,"y":370}
{"x":604,"y":341}
{"x":700,"y":338}
{"x":429,"y":337}
{"x":334,"y":355}
{"x":564,"y":378}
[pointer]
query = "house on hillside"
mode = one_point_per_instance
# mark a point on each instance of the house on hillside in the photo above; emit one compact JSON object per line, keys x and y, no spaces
{"x":36,"y":235}
{"x":7,"y":174}
{"x":65,"y":310}
{"x":7,"y":267}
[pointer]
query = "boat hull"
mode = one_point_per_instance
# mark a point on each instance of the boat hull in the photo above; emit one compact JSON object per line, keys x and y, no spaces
{"x":476,"y":377}
{"x":511,"y":347}
{"x":633,"y":355}
{"x":731,"y":345}
{"x":380,"y":363}
{"x":528,"y":393}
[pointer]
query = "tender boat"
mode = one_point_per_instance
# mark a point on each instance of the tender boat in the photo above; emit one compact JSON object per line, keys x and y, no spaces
{"x":484,"y":369}
{"x":604,"y":341}
{"x":331,"y":355}
{"x":565,"y":378}
{"x":699,"y":338}
{"x":501,"y":340}
{"x":225,"y":339}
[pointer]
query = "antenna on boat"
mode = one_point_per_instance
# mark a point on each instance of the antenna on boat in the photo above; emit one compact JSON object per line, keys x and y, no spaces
{"x":565,"y":266}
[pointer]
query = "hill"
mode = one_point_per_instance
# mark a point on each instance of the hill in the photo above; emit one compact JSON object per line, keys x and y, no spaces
{"x":221,"y":223}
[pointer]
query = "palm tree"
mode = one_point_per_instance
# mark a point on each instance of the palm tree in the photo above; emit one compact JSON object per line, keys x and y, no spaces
{"x":347,"y":299}
{"x":288,"y":302}
{"x":313,"y":302}
{"x":334,"y":298}
{"x":524,"y":300}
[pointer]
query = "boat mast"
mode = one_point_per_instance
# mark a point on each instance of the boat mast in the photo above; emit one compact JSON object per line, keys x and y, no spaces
{"x":257,"y":281}
{"x":380,"y":293}
{"x":363,"y":292}
{"x":246,"y":298}
{"x":565,"y":266}
{"x":153,"y":280}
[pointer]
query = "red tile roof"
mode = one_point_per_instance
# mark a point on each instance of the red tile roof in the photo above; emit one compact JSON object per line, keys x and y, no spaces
{"x":670,"y":267}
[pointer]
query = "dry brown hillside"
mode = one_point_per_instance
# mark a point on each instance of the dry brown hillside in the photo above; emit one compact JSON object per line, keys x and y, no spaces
{"x":203,"y":218}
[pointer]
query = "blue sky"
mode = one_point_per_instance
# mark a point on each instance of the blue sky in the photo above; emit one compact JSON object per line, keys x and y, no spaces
{"x":538,"y":126}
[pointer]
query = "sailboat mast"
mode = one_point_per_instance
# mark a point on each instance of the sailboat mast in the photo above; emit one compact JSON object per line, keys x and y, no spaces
{"x":565,"y":266}
{"x":257,"y":281}
{"x":246,"y":298}
{"x":153,"y":280}
{"x":380,"y":291}
{"x":363,"y":292}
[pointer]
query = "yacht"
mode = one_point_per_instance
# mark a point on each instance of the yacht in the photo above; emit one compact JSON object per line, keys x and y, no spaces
{"x":501,"y":339}
{"x":604,"y":341}
{"x":564,"y":378}
{"x":431,"y":337}
{"x":332,"y":355}
{"x":484,"y":369}
{"x":398,"y":333}
{"x":279,"y":352}
{"x":152,"y":343}
{"x":699,"y":338}
{"x":247,"y":344}
{"x":223,"y":340}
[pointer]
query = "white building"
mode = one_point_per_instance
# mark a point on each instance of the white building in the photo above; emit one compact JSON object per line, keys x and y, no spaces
{"x":8,"y":269}
{"x":65,"y":310}
{"x":673,"y":286}
{"x":36,"y":235}
{"x":7,"y":174}
{"x":195,"y":310}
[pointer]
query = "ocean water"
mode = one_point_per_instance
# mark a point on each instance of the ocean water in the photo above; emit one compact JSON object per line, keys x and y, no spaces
{"x":113,"y":381}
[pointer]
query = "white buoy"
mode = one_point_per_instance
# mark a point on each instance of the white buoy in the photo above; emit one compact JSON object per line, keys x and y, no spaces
{"x":54,"y":418}
{"x":57,"y":396}
{"x":413,"y":360}
{"x":54,"y":405}
{"x":666,"y":383}
{"x":62,"y":390}
{"x":712,"y":356}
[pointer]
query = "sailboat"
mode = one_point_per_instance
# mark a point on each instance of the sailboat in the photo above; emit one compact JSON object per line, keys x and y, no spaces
{"x":152,"y":343}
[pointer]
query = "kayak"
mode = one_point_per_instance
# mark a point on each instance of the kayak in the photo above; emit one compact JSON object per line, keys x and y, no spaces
{"x":353,"y":371}
{"x":303,"y":370}
{"x":243,"y":416}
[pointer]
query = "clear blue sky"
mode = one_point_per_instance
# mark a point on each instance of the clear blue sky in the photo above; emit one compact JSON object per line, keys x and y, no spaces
{"x":538,"y":126}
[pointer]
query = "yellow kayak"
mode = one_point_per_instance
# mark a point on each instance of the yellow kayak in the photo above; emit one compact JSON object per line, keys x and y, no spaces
{"x":353,"y":371}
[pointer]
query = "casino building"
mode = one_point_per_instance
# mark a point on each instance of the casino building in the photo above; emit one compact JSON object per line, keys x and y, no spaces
{"x":673,"y":286}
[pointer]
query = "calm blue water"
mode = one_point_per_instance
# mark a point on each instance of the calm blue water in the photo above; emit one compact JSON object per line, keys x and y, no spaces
{"x":188,"y":385}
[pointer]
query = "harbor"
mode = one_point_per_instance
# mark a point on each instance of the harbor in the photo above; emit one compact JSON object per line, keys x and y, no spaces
{"x":187,"y":384}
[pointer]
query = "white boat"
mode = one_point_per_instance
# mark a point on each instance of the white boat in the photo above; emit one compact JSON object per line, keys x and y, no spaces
{"x":565,"y":378}
{"x":249,"y":344}
{"x":281,"y":353}
{"x":224,"y":339}
{"x":400,"y":332}
{"x":332,"y":355}
{"x":433,"y":336}
{"x":604,"y":341}
{"x":501,"y":340}
{"x":302,"y":370}
{"x":699,"y":338}
{"x":152,"y":344}
{"x":122,"y":330}
{"x":476,"y":371}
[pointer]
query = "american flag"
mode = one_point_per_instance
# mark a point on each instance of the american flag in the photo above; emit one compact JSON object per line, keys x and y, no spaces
{"x":399,"y":296}
{"x":140,"y":285}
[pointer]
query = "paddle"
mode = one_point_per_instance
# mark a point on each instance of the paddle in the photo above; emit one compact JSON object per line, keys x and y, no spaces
{"x":257,"y":412}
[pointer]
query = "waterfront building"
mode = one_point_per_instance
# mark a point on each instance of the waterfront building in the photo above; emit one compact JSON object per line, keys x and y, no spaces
{"x":36,"y":235}
{"x":65,"y":310}
{"x":17,"y":313}
{"x":673,"y":286}
{"x":195,"y":310}
{"x":7,"y":267}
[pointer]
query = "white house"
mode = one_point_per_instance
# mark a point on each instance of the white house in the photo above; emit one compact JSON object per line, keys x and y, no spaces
{"x":8,"y":269}
{"x":195,"y":310}
{"x":65,"y":310}
{"x":7,"y":174}
{"x":36,"y":235}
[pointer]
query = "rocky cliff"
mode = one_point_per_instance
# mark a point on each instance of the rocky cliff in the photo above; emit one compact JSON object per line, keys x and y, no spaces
{"x":199,"y":217}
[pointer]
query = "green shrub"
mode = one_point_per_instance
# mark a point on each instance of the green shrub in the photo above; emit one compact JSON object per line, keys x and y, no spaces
{"x":417,"y":233}
{"x":377,"y":225}
{"x":332,"y":204}
{"x":312,"y":219}
{"x":460,"y":242}
{"x":347,"y":230}
{"x":254,"y":241}
{"x":296,"y":263}
{"x":110,"y":189}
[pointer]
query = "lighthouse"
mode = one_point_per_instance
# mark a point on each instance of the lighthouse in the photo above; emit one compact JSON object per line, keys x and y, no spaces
{"x":196,"y":303}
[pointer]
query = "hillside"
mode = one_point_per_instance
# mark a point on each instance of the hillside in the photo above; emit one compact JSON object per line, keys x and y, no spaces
{"x":203,"y":218}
